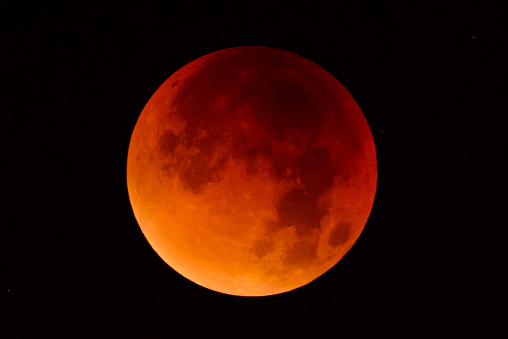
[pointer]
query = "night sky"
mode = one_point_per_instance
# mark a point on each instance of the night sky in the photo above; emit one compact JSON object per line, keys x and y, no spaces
{"x":427,"y":76}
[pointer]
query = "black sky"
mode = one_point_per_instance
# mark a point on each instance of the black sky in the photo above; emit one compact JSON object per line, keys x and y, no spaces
{"x":427,"y":76}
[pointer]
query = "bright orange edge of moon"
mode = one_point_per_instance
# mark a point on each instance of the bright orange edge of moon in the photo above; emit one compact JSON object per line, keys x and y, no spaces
{"x":251,"y":171}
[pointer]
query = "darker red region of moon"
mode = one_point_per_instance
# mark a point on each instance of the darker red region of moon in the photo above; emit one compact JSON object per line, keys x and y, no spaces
{"x":251,"y":171}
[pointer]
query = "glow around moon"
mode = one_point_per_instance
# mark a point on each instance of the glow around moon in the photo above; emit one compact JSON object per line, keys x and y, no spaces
{"x":251,"y":171}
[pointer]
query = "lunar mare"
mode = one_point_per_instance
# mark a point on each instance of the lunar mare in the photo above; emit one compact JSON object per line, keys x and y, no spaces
{"x":251,"y":171}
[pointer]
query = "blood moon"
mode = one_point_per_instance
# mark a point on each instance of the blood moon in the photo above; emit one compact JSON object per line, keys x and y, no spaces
{"x":251,"y":171}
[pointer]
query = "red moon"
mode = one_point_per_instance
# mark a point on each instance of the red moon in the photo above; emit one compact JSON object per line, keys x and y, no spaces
{"x":251,"y":171}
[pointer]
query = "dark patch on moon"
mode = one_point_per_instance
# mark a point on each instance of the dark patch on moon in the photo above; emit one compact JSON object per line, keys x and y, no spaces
{"x":286,"y":106}
{"x":168,"y":143}
{"x":301,"y":253}
{"x":174,"y":84}
{"x":196,"y":169}
{"x":263,"y":246}
{"x":200,"y":172}
{"x":316,"y":170}
{"x":299,"y":207}
{"x":199,"y":169}
{"x":283,"y":167}
{"x":340,"y":234}
{"x":244,"y":148}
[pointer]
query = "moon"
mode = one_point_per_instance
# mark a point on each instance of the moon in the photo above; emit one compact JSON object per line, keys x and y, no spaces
{"x":251,"y":171}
